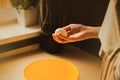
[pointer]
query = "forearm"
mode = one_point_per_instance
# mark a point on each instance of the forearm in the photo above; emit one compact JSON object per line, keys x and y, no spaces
{"x":93,"y":31}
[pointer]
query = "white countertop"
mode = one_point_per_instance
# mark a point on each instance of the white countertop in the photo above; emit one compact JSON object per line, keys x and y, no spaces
{"x":88,"y":65}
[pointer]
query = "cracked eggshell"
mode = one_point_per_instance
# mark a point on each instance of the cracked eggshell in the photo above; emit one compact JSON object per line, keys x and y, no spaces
{"x":61,"y":31}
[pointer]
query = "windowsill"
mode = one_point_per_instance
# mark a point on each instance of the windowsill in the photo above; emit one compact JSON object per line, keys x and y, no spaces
{"x":12,"y":32}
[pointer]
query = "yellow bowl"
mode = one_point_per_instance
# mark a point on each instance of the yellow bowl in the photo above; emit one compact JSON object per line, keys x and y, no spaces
{"x":51,"y":69}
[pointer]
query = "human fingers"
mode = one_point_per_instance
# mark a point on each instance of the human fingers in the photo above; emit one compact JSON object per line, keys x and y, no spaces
{"x":74,"y":37}
{"x":58,"y":39}
{"x":54,"y":37}
{"x":67,"y":28}
{"x":74,"y":28}
{"x":66,"y":39}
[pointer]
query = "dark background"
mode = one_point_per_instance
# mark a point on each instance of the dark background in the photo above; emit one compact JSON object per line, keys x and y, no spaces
{"x":89,"y":12}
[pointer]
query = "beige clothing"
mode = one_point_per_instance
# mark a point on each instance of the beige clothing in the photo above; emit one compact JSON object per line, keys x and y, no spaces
{"x":110,"y":39}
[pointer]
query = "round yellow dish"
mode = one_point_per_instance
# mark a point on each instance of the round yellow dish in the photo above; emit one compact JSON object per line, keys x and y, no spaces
{"x":51,"y":69}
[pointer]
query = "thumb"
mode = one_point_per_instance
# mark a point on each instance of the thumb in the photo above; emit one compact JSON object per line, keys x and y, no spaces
{"x":67,"y":28}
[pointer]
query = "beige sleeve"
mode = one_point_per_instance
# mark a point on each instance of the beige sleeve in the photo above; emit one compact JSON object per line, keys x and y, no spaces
{"x":117,"y":68}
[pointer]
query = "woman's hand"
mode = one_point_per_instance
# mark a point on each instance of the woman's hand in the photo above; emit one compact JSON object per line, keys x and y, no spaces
{"x":76,"y":32}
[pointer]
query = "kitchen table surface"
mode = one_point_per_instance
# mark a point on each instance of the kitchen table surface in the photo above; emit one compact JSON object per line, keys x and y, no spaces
{"x":11,"y":68}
